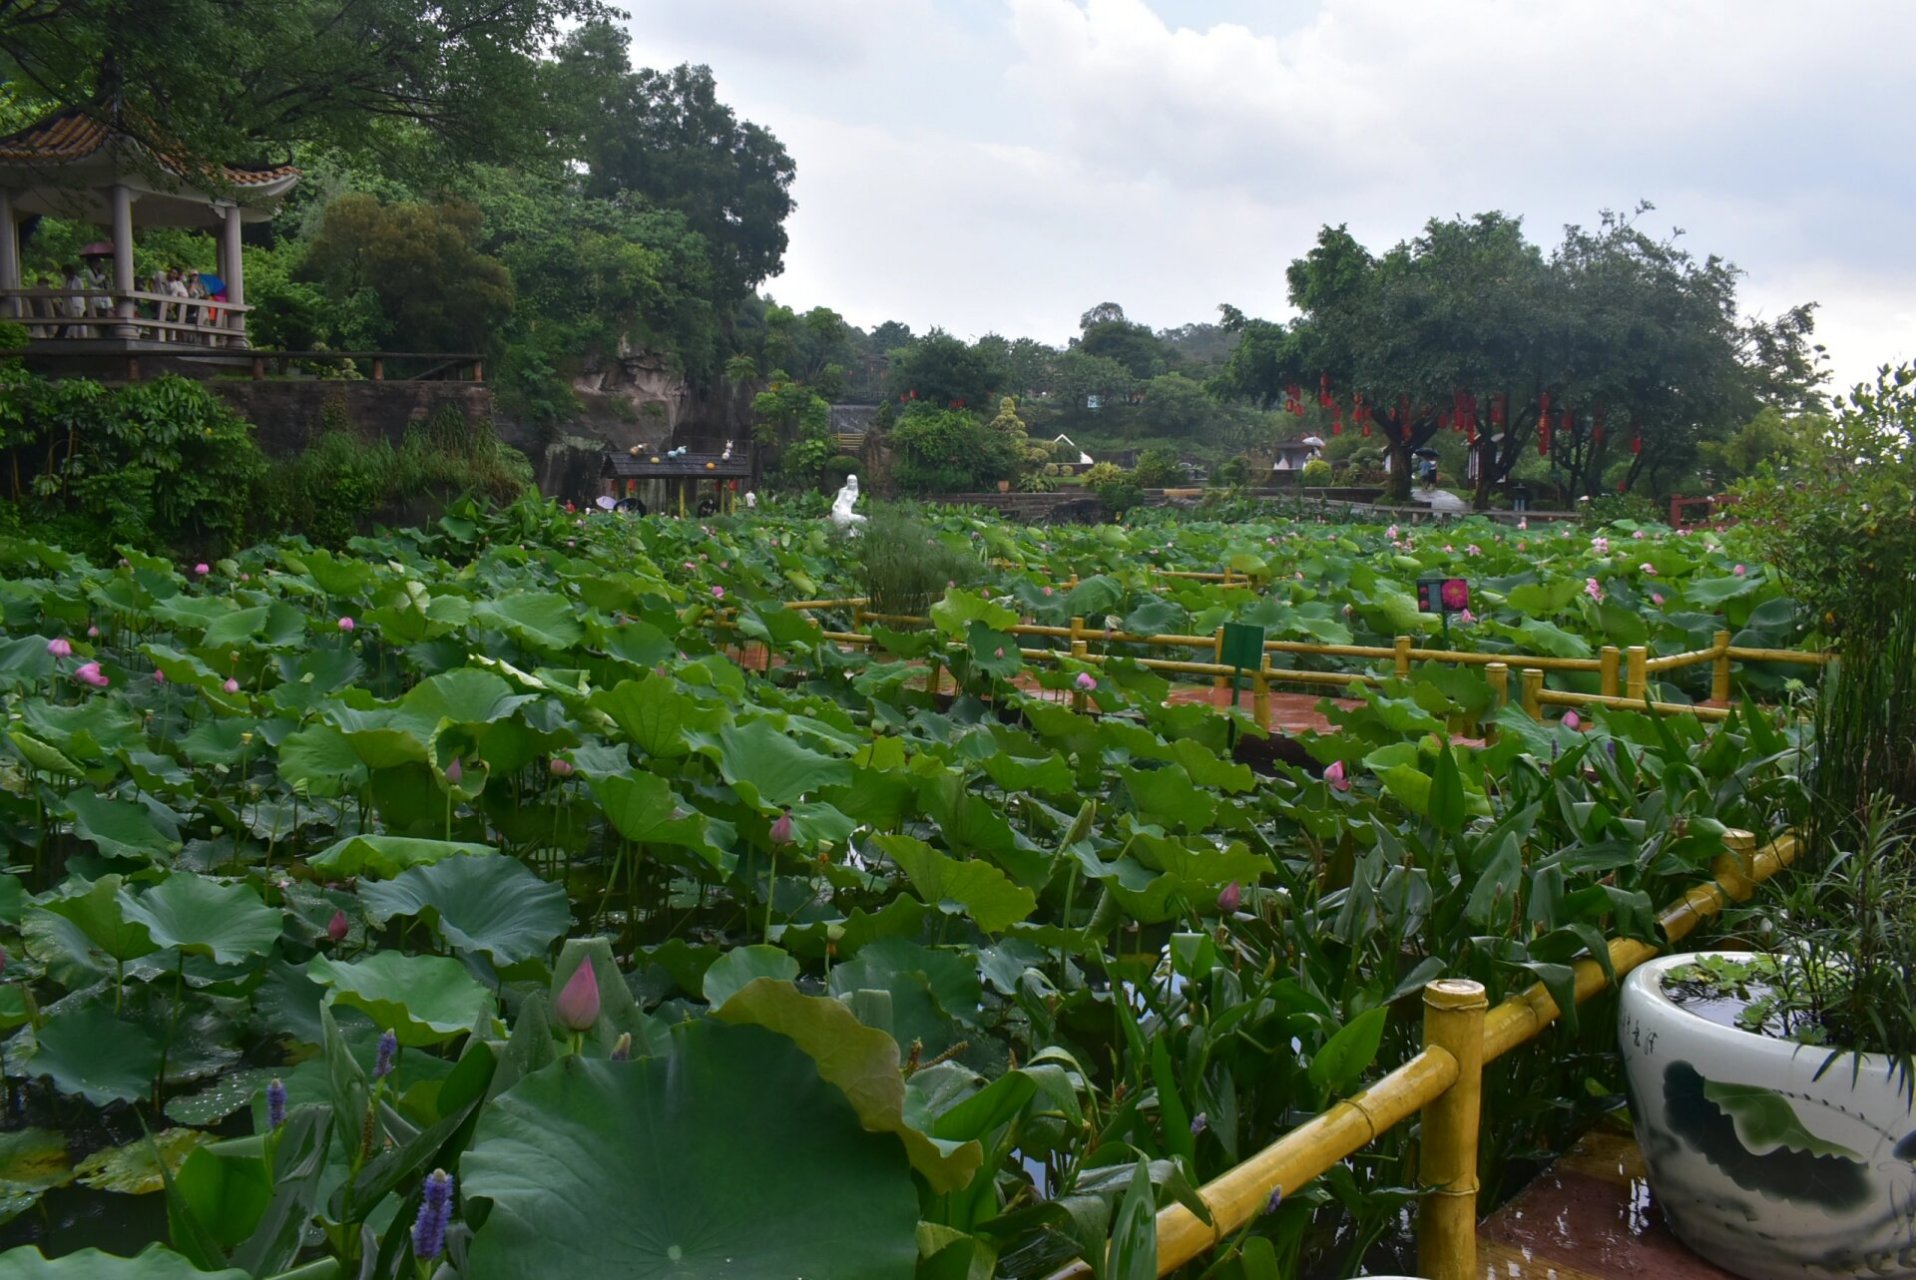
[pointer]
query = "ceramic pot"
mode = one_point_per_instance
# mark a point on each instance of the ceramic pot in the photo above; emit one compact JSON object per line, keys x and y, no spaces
{"x":1759,"y":1165}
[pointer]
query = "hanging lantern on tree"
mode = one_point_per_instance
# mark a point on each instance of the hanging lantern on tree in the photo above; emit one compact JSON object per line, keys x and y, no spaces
{"x":1337,"y":422}
{"x":1499,"y":411}
{"x":1596,"y":427}
{"x":1324,"y":390}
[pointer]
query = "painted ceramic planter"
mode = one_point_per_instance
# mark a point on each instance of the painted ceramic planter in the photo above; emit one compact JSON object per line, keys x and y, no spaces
{"x":1758,"y":1165}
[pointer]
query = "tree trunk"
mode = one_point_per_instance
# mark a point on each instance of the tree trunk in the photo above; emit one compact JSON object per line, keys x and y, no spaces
{"x":1400,"y":460}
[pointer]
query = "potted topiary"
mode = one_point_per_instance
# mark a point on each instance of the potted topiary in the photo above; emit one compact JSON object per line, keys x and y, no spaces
{"x":1772,"y":1090}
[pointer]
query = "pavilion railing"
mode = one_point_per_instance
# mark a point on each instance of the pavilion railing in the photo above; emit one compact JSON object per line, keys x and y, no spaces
{"x":107,"y":313}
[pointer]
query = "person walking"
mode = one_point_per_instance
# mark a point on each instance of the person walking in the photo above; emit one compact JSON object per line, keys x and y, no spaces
{"x":75,"y":302}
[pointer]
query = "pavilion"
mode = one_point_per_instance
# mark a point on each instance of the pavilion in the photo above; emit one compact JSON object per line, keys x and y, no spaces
{"x":675,"y":482}
{"x":86,"y":166}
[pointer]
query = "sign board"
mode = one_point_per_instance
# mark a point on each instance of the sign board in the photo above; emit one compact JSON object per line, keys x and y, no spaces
{"x":1443,"y":595}
{"x":1243,"y":646}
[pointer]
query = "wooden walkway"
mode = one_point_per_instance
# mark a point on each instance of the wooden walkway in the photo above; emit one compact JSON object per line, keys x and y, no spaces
{"x":1590,"y":1216}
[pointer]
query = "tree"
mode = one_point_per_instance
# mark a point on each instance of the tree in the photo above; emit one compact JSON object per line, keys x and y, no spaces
{"x":942,"y":371}
{"x":941,"y":450}
{"x":229,"y":80}
{"x":794,"y":420}
{"x":664,"y":136}
{"x":414,"y":273}
{"x":1103,"y":331}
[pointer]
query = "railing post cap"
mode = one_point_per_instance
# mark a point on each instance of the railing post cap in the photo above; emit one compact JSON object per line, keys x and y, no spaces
{"x":1455,"y":993}
{"x":1739,"y":840}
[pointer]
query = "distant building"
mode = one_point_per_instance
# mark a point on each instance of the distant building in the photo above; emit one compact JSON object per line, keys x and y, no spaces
{"x":851,"y":423}
{"x":1293,"y":454}
{"x":1069,"y":455}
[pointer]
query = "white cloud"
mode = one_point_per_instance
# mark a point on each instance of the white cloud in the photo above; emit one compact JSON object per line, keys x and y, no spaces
{"x":1004,"y":166}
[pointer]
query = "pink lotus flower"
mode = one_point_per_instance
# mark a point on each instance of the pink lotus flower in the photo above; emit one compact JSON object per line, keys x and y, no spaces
{"x":159,"y":676}
{"x":346,"y":624}
{"x":455,"y":771}
{"x":90,"y":673}
{"x":1336,"y":777}
{"x":1086,"y":681}
{"x":1593,"y":589}
{"x":577,"y":1007}
{"x":60,"y":647}
{"x":718,"y":593}
{"x":999,"y":652}
{"x":1473,"y":550}
{"x":1228,"y":897}
{"x":1739,"y":571}
{"x":1466,"y":617}
{"x":1572,"y":721}
{"x":1449,"y":550}
{"x":1391,"y":533}
{"x":1638,"y":535}
{"x":336,"y":928}
{"x":1047,"y":590}
{"x":92,"y":633}
{"x":202,"y":569}
{"x":231,"y":685}
{"x":1600,"y":545}
{"x":782,"y":828}
{"x":1647,"y":569}
{"x":1524,"y":523}
{"x":1656,"y":598}
{"x":560,"y":768}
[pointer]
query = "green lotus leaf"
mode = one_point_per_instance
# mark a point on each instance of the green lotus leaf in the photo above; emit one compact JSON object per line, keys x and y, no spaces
{"x":318,"y":760}
{"x":204,"y":917}
{"x":495,"y":905}
{"x":982,"y":891}
{"x":154,"y":1263}
{"x":655,"y":713}
{"x":32,"y":1162}
{"x":537,"y":619}
{"x":421,"y":999}
{"x":734,"y":970}
{"x":134,"y":1169}
{"x":387,"y":856}
{"x":124,"y":828}
{"x":99,"y":910}
{"x":770,"y":770}
{"x":732,"y":1156}
{"x":90,"y":1052}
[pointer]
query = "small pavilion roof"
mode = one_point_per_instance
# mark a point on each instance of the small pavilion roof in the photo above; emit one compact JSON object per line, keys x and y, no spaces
{"x":65,"y":164}
{"x":646,"y":465}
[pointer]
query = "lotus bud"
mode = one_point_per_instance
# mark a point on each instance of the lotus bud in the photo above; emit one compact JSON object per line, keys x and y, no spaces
{"x":1572,"y":721}
{"x":338,"y":927}
{"x":577,"y":1007}
{"x":1086,"y":681}
{"x":60,"y":647}
{"x":92,"y":632}
{"x":435,"y":1211}
{"x":1228,"y":897}
{"x":1335,"y":776}
{"x":718,"y":593}
{"x":782,"y":829}
{"x":455,"y":771}
{"x":202,"y":569}
{"x":388,"y":1047}
{"x":231,"y":685}
{"x":560,"y":768}
{"x":276,"y":1104}
{"x":622,"y":1048}
{"x":345,"y":624}
{"x":159,"y":676}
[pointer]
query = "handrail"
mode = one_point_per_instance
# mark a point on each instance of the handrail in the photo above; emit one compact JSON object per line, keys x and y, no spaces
{"x":1436,"y":1077}
{"x":1623,"y":675}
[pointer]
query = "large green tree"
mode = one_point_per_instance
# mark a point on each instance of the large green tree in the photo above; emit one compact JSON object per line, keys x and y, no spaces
{"x":664,"y":136}
{"x":246,"y":79}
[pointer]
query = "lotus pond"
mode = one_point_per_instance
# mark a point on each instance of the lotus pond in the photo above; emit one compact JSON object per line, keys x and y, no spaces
{"x":457,"y":905}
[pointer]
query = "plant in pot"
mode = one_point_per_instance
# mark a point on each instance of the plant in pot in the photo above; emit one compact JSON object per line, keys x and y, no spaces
{"x":1772,"y":1089}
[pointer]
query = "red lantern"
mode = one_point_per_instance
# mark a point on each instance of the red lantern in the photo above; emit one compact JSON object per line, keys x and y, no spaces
{"x":1337,"y":423}
{"x":1499,"y":412}
{"x":1543,"y":436}
{"x":1324,"y":390}
{"x":1636,"y":435}
{"x":1367,"y":431}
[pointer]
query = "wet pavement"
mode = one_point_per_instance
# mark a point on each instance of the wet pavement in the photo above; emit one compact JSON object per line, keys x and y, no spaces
{"x":1589,"y":1217}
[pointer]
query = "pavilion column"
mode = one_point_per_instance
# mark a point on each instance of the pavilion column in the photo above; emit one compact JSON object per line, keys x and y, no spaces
{"x":123,"y":306}
{"x":9,"y":254}
{"x":235,"y":264}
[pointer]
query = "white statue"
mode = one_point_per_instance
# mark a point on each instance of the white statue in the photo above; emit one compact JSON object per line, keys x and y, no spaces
{"x":751,"y":499}
{"x":727,"y":455}
{"x":842,"y":514}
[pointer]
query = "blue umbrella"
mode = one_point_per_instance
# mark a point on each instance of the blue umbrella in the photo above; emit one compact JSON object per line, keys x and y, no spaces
{"x":212,"y":283}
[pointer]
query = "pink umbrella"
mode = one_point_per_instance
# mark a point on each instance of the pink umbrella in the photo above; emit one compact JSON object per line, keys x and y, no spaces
{"x":98,"y":249}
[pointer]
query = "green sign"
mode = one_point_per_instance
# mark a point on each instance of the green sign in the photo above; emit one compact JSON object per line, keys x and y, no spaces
{"x":1243,"y":646}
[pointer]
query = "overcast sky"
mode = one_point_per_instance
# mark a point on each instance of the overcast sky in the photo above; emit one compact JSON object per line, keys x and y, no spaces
{"x":1002,"y":165}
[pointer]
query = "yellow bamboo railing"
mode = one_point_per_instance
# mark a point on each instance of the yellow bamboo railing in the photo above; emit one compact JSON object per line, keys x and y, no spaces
{"x":1623,"y":676}
{"x":1444,"y":1082}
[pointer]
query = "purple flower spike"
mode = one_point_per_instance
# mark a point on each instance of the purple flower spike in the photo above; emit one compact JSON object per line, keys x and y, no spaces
{"x":276,"y":1104}
{"x":388,"y":1046}
{"x":1275,"y":1199}
{"x":1199,"y":1123}
{"x":435,"y":1211}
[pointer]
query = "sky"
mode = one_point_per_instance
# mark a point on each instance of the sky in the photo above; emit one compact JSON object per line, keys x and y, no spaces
{"x":1003,"y":165}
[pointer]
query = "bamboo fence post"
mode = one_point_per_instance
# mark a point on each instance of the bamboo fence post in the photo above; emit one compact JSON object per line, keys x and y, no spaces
{"x":1402,"y":646}
{"x":1078,"y":650}
{"x":1217,"y":656}
{"x":1532,"y":687}
{"x":1261,"y":694}
{"x":1720,"y":669}
{"x":1637,"y":677}
{"x":1447,"y":1220}
{"x":1498,"y":674}
{"x":1607,"y":673}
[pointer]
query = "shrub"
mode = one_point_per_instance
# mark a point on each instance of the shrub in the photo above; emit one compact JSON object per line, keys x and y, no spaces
{"x":1317,"y":472}
{"x":1159,"y":469}
{"x":906,"y":566}
{"x":1100,"y":474}
{"x":948,"y":451}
